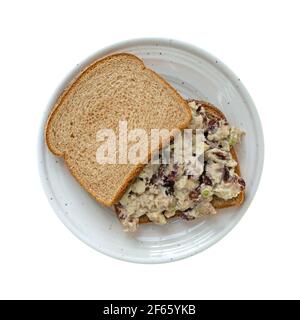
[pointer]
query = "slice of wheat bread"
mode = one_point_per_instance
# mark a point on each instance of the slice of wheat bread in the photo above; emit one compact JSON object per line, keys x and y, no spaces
{"x":218,"y":203}
{"x":117,"y":87}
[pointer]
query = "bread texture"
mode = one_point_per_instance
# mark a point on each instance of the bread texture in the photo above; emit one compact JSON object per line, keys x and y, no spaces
{"x":116,"y":88}
{"x":218,"y":203}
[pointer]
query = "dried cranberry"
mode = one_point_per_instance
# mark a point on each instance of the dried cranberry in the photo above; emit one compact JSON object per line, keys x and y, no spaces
{"x":220,"y":155}
{"x":169,"y":180}
{"x":212,"y":125}
{"x":226,"y":174}
{"x":207,"y":181}
{"x":169,"y":185}
{"x":242,"y":183}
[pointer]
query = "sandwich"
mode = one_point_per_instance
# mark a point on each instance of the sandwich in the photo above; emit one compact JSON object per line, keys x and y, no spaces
{"x":163,"y":191}
{"x":121,"y":89}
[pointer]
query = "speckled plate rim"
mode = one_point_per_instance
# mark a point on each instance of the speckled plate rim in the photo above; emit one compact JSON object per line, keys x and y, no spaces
{"x":119,"y":47}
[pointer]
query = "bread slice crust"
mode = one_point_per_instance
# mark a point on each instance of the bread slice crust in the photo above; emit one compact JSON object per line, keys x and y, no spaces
{"x":137,"y":169}
{"x":218,"y":203}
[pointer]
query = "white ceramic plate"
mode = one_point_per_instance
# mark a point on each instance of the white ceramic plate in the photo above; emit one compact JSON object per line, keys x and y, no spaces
{"x":195,"y":74}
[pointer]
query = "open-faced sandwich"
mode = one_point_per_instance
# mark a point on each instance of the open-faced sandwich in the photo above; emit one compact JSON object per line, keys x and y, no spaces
{"x":162,"y":191}
{"x":120,"y":89}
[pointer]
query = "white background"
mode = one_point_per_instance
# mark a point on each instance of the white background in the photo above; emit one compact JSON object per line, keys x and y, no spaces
{"x":41,"y":41}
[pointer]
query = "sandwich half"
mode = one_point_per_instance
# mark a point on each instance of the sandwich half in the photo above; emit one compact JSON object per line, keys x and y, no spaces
{"x":113,"y":89}
{"x":164,"y":191}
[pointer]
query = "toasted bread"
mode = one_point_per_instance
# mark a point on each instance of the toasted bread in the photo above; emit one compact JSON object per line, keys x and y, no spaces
{"x":218,"y":203}
{"x":117,"y":87}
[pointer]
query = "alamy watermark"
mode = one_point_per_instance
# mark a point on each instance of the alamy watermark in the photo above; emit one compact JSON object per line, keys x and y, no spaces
{"x":134,"y":146}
